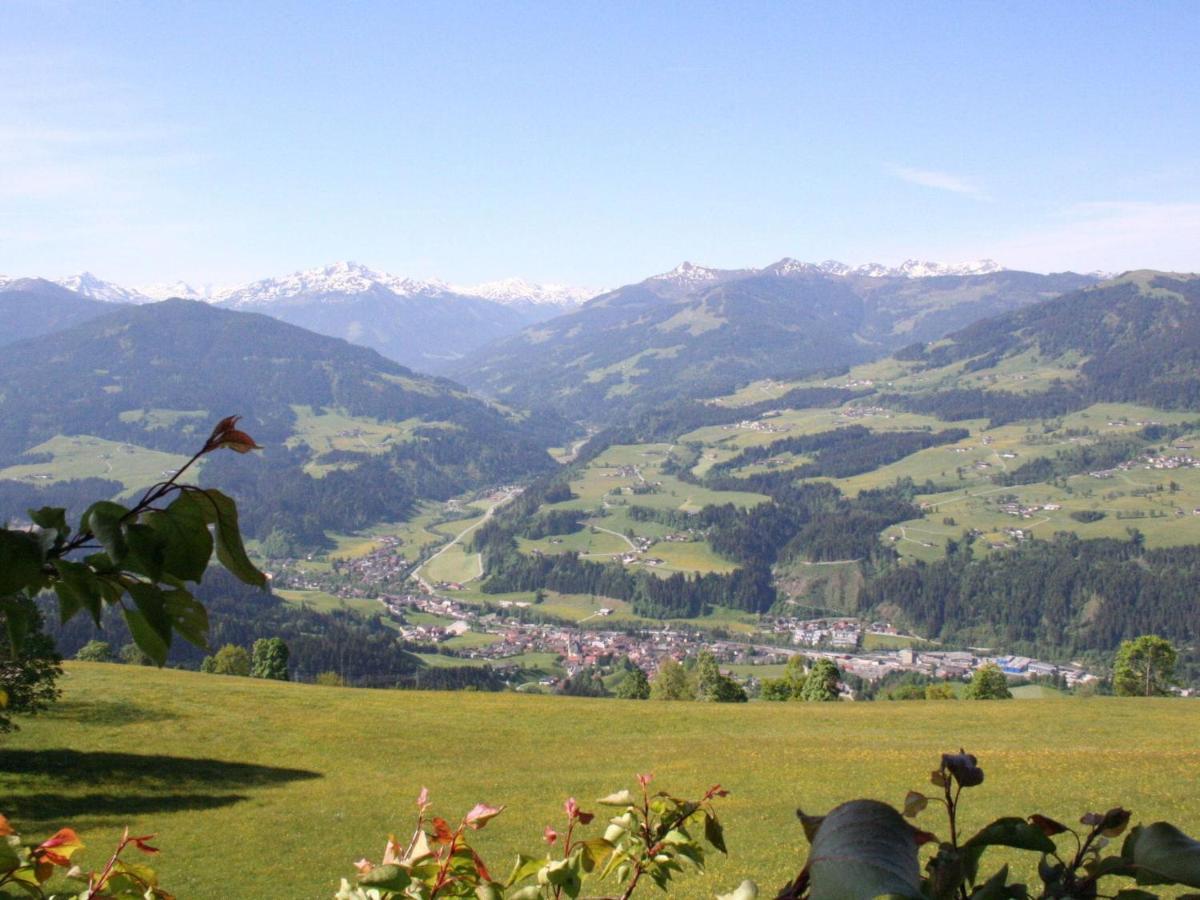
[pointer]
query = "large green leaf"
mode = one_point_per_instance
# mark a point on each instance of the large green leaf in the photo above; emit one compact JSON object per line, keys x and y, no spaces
{"x":188,"y":617}
{"x":220,"y":510}
{"x":145,"y":636}
{"x":152,"y":604}
{"x":864,"y":849}
{"x":1006,"y":832}
{"x":20,"y":561}
{"x":184,"y":528}
{"x":386,"y":878}
{"x":18,"y":619}
{"x":103,"y":519}
{"x":1162,"y":854}
{"x":147,"y":551}
{"x":78,"y":588}
{"x":52,"y":518}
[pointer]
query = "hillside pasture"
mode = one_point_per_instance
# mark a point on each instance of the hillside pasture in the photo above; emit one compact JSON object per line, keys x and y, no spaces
{"x":85,"y":456}
{"x":282,"y":786}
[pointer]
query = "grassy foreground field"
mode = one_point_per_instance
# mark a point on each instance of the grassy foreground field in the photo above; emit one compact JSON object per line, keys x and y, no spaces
{"x":284,"y":785}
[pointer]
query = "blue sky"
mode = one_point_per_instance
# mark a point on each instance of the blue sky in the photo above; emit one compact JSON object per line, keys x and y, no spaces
{"x":593,"y":143}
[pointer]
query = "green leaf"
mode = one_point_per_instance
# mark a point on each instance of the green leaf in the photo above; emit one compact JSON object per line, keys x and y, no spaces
{"x":998,"y":888}
{"x":864,"y":848}
{"x":221,"y":511}
{"x":52,"y":518}
{"x":188,"y":617}
{"x":103,"y":519}
{"x":1006,"y":832}
{"x":147,"y":551}
{"x":620,"y":798}
{"x":1135,"y":894}
{"x":714,"y":833}
{"x":914,"y":802}
{"x":77,"y":588}
{"x":184,"y":528}
{"x":146,"y":636}
{"x":1162,"y":854}
{"x":386,"y":878}
{"x":593,"y":853}
{"x":20,"y":561}
{"x":18,"y":619}
{"x":747,"y":890}
{"x":525,"y":867}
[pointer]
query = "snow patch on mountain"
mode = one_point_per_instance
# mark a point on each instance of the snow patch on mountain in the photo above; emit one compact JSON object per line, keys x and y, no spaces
{"x":167,"y":290}
{"x":335,"y":282}
{"x":88,"y":285}
{"x":517,"y":290}
{"x":689,"y":275}
{"x":686,"y":273}
{"x":910,"y":268}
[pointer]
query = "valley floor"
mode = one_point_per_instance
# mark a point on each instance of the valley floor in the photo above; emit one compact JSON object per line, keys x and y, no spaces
{"x":279,"y":787}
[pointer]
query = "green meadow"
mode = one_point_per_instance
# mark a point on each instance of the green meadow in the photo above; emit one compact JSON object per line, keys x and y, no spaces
{"x":84,"y":456}
{"x":281,"y":786}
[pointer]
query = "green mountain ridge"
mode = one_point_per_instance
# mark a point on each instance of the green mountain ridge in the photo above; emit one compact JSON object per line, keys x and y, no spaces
{"x":663,"y":339}
{"x":157,"y":376}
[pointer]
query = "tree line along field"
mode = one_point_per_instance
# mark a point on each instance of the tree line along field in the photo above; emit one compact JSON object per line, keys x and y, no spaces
{"x":287,"y":784}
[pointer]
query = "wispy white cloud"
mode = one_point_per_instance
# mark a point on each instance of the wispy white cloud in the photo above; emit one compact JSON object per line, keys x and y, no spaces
{"x":942,"y":181}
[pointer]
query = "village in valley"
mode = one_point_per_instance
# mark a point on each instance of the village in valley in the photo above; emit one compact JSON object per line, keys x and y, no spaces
{"x":505,"y":633}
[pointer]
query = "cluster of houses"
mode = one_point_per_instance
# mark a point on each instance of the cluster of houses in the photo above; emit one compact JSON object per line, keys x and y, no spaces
{"x":765,"y":427}
{"x":1027,"y":511}
{"x":1179,"y":460}
{"x":837,"y":633}
{"x":836,"y":639}
{"x":956,"y":665}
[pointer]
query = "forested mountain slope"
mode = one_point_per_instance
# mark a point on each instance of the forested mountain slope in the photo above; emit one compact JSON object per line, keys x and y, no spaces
{"x":1134,"y":339}
{"x":697,"y":332}
{"x":350,"y":437}
{"x":33,"y":306}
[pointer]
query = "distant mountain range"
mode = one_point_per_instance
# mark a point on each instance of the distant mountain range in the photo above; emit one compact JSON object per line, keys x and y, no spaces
{"x":695,"y":331}
{"x":691,"y":330}
{"x":425,"y":324}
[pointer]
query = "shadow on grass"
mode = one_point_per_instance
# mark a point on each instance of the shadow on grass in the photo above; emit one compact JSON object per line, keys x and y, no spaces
{"x":104,"y":783}
{"x":107,"y":712}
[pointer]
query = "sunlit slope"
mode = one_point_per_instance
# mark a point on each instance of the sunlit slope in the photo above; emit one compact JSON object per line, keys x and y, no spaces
{"x":281,"y":787}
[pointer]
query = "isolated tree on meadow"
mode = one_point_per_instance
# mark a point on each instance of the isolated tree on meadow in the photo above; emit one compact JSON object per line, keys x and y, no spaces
{"x":789,"y":686}
{"x":133,"y":655}
{"x":634,"y":686}
{"x":671,"y":682}
{"x":229,"y":660}
{"x":821,"y":685}
{"x":95,"y":651}
{"x":1144,"y":667}
{"x":712,"y":686}
{"x":270,"y":659}
{"x":988,"y":683}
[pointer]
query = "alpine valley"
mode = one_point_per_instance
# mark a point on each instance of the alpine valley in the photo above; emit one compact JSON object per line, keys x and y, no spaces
{"x":973,"y":455}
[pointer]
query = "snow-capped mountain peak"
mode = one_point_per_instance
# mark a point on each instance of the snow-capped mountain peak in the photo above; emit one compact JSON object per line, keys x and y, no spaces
{"x":687,"y":273}
{"x":910,"y":268}
{"x":90,"y":286}
{"x":517,"y":290}
{"x":166,"y":290}
{"x":913,"y":268}
{"x":341,"y":279}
